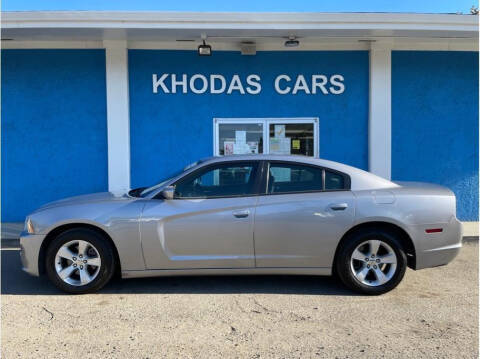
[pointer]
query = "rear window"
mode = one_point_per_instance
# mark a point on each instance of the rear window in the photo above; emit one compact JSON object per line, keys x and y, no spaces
{"x":334,"y":181}
{"x":288,"y":178}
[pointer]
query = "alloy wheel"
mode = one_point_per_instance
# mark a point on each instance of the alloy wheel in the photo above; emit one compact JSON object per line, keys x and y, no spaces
{"x":77,"y":262}
{"x":373,"y":262}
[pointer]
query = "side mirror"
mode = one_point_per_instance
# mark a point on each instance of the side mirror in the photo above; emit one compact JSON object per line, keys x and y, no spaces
{"x":168,"y":192}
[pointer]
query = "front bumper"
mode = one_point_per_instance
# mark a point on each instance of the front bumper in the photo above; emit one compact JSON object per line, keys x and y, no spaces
{"x":438,"y":249}
{"x":30,"y":245}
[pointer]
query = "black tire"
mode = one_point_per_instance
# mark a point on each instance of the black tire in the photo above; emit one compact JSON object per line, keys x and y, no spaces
{"x":104,"y":248}
{"x":343,"y":267}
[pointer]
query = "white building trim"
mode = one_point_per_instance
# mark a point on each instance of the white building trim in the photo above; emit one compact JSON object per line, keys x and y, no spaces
{"x":118,"y":115}
{"x":232,"y":28}
{"x":447,"y":44}
{"x":238,"y":20}
{"x":262,"y":44}
{"x":380,"y":113}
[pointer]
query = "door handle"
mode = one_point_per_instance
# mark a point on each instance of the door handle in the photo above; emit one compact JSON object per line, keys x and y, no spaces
{"x":338,"y":206}
{"x":241,"y":214}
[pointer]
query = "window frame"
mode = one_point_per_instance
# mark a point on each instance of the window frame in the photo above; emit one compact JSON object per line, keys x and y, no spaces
{"x":266,"y":173}
{"x":266,"y":122}
{"x":257,"y":164}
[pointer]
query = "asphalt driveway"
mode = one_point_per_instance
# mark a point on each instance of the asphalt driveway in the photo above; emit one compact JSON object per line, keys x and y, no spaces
{"x":433,"y":313}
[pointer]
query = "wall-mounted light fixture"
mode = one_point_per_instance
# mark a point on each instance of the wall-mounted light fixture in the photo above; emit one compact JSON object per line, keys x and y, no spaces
{"x":248,"y":48}
{"x":292,"y":42}
{"x":204,"y":49}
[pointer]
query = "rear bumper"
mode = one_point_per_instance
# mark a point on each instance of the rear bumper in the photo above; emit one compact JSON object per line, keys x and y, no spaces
{"x":438,"y":256}
{"x":438,"y":249}
{"x":30,"y":245}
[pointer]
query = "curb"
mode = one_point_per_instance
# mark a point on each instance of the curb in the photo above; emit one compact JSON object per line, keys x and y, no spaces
{"x":10,"y":243}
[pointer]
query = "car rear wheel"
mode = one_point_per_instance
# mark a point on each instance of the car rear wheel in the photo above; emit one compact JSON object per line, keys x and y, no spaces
{"x":80,"y":261}
{"x":371,"y":262}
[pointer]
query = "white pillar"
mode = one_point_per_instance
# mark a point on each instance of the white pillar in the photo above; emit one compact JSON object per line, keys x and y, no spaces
{"x":118,"y":116}
{"x":380,"y":114}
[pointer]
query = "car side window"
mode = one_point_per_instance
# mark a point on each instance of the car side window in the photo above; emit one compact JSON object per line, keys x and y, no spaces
{"x":334,"y":181}
{"x":288,"y":178}
{"x":220,"y":180}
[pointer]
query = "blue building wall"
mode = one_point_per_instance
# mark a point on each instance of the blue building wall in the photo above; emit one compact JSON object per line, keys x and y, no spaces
{"x":168,"y":131}
{"x":54,"y":139}
{"x":435,"y":122}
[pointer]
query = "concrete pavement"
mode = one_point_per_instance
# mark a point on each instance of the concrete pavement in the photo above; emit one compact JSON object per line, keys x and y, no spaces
{"x":432,"y":314}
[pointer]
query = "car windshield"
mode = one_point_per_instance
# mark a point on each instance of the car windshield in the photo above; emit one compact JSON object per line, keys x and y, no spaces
{"x":145,"y":192}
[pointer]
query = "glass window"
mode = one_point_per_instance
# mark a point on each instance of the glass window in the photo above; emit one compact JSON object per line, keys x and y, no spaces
{"x":285,"y":178}
{"x":149,"y":190}
{"x":268,"y":135}
{"x":240,"y":138}
{"x":334,"y":181}
{"x":222,"y":180}
{"x":291,"y":139}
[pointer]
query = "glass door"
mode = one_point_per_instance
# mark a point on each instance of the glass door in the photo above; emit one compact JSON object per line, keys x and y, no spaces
{"x":294,"y":136}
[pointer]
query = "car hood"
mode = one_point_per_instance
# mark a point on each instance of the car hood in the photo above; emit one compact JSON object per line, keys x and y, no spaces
{"x":88,"y":198}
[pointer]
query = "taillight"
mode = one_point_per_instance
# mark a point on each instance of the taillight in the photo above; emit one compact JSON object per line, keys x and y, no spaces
{"x":434,"y":230}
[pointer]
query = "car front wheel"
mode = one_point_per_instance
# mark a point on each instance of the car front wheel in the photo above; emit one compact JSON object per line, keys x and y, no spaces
{"x":371,"y":262}
{"x":80,"y":261}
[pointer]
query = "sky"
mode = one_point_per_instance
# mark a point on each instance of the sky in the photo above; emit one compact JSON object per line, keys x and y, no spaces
{"x":419,"y":6}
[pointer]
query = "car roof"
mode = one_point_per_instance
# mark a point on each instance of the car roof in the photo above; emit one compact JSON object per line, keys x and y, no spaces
{"x":250,"y":157}
{"x":288,"y":158}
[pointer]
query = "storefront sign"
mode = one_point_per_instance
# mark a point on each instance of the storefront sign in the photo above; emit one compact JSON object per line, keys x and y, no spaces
{"x":250,"y":84}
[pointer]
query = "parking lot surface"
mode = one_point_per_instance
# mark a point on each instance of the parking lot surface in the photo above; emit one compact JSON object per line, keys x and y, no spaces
{"x":432,"y":314}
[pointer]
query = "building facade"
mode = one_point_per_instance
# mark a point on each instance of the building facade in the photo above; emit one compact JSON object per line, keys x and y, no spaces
{"x":110,"y":101}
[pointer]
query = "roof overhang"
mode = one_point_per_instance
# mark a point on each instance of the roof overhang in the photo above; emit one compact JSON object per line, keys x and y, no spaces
{"x":147,"y":26}
{"x":183,"y":30}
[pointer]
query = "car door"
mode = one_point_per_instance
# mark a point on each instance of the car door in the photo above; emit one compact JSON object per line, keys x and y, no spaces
{"x":301,"y":216}
{"x":208,"y":224}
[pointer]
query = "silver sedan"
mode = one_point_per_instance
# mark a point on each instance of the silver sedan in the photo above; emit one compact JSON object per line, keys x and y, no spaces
{"x":259,"y":214}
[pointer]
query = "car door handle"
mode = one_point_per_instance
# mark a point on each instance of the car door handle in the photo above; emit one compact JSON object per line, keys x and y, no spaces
{"x":241,"y":214}
{"x":338,"y":206}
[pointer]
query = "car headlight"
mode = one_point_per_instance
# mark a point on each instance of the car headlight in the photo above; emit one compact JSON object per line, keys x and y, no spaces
{"x":29,"y":226}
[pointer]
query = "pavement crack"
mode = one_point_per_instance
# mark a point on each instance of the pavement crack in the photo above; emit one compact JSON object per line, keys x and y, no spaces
{"x":267,"y":310}
{"x":49,"y":312}
{"x":239,"y":306}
